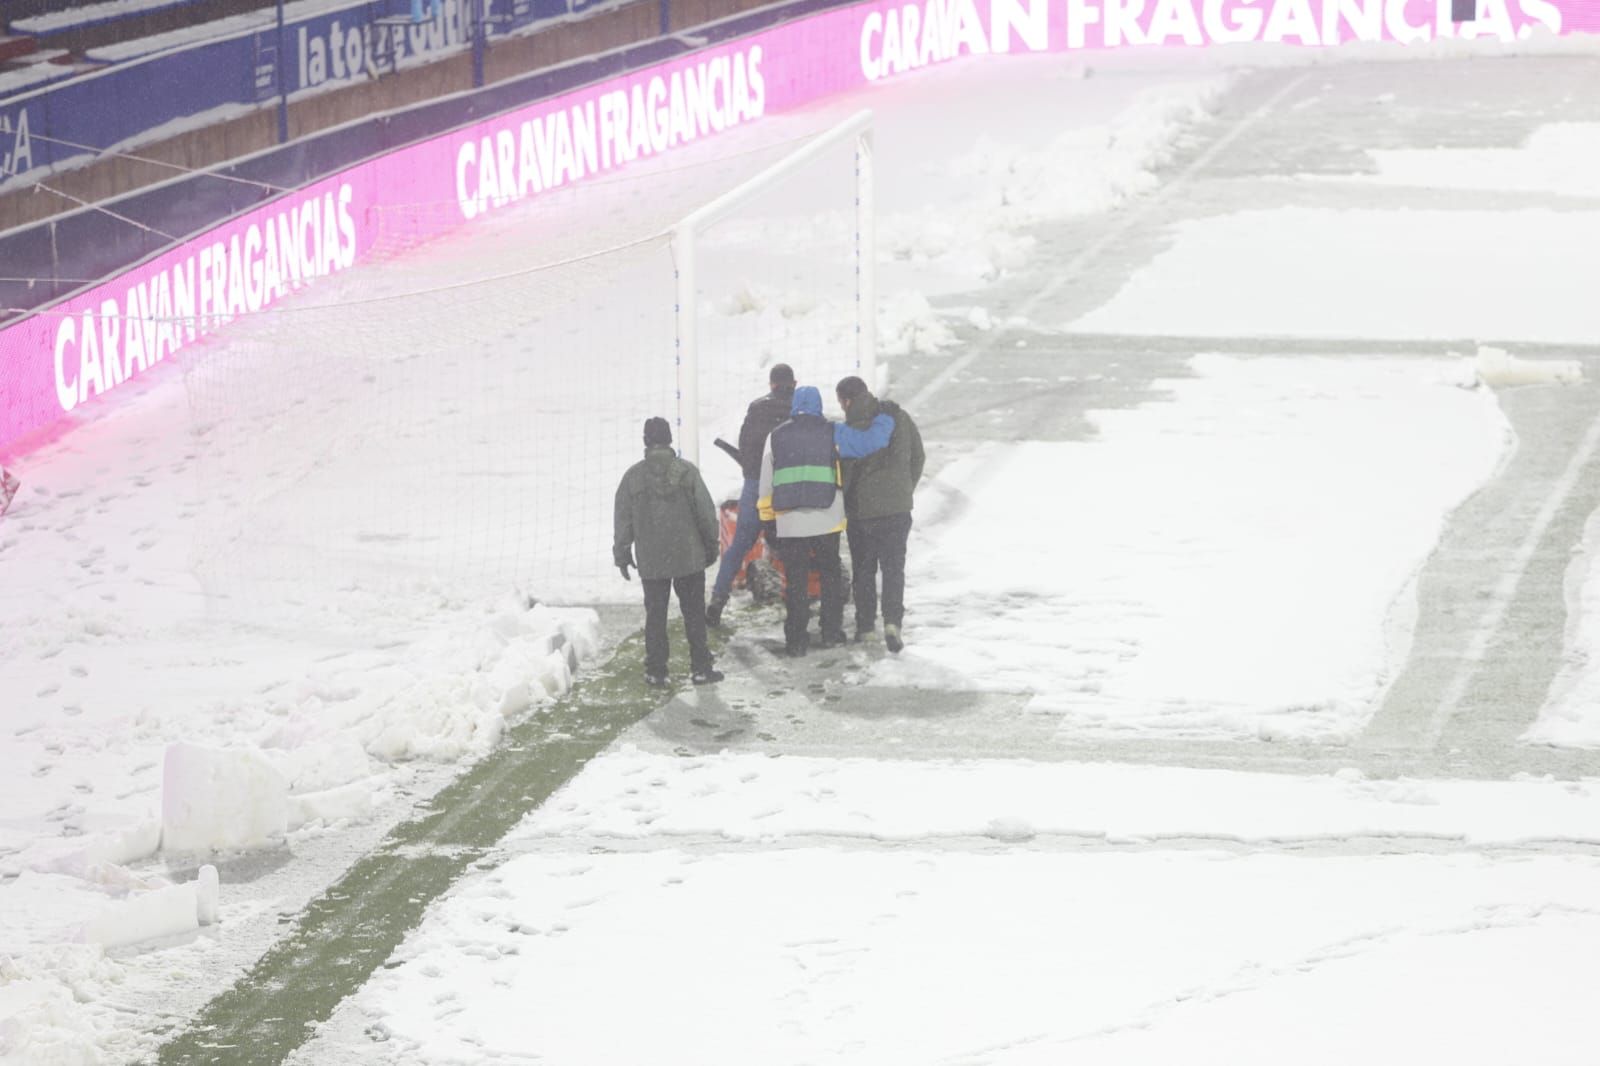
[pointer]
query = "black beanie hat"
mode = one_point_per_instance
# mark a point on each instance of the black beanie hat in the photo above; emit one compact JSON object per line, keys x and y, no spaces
{"x":781,"y":374}
{"x":849,"y":388}
{"x":657,"y":431}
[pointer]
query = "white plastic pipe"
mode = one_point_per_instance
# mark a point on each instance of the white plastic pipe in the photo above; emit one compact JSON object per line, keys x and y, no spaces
{"x":688,"y":345}
{"x":866,"y":264}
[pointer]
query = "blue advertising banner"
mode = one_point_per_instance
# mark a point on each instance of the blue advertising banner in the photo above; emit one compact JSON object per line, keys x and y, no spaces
{"x":197,"y":82}
{"x":41,"y":129}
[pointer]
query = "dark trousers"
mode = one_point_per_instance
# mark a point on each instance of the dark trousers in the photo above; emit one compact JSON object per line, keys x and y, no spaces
{"x":801,"y":555}
{"x":879,"y":543}
{"x":691,"y":592}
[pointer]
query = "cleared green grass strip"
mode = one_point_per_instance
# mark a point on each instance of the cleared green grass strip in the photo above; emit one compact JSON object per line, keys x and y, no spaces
{"x":348,"y":931}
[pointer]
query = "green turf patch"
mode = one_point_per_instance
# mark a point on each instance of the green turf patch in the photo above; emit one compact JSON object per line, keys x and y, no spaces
{"x":351,"y":929}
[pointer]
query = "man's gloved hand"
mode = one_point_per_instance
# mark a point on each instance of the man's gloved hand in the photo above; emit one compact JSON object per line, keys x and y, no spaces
{"x":712,"y":556}
{"x":623,"y":559}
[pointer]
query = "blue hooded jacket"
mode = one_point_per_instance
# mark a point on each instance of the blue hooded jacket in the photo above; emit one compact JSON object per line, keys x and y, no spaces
{"x":807,"y":401}
{"x":805,"y":469}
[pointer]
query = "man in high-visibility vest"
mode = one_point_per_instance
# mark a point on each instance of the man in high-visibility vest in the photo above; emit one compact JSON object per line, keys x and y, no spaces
{"x":802,"y":489}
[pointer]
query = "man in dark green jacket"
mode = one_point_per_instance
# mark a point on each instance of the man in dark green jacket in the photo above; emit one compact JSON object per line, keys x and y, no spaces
{"x":665,"y":519}
{"x":878,"y":491}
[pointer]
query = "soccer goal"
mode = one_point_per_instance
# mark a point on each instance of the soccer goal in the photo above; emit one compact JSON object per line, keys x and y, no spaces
{"x":459,"y":412}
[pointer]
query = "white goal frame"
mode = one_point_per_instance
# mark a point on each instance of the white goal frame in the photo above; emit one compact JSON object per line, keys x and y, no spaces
{"x":858,"y":128}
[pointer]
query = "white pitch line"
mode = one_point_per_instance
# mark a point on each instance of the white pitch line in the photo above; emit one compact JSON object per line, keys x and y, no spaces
{"x":1505,"y":589}
{"x":1082,"y":260}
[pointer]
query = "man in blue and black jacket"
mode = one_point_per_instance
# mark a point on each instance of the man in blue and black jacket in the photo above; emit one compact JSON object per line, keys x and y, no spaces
{"x":878,"y":486}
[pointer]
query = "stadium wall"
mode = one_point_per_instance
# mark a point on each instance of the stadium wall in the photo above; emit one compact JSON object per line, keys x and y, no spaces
{"x":150,"y":210}
{"x":150,"y":83}
{"x":55,"y":362}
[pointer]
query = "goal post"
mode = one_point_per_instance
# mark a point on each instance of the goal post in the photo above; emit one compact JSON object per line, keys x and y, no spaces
{"x":856,"y":130}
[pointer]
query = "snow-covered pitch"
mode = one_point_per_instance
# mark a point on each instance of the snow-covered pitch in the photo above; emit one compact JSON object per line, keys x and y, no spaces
{"x":1180,"y":503}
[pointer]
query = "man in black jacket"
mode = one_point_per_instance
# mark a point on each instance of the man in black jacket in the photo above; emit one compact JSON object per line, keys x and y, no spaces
{"x":877,"y":500}
{"x":763,"y":416}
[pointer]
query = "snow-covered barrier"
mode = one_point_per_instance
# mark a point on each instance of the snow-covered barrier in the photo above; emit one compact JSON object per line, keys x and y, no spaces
{"x":92,"y":343}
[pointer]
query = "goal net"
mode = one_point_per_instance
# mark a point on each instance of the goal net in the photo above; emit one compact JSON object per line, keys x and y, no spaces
{"x":456,"y":415}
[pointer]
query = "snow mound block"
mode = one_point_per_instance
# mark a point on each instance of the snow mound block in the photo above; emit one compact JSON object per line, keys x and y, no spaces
{"x":330,"y":806}
{"x":1010,"y":830}
{"x":1498,"y":368}
{"x":122,"y":846}
{"x":169,"y":911}
{"x":153,"y":913}
{"x":103,"y":856}
{"x":316,"y":765}
{"x":221,"y":799}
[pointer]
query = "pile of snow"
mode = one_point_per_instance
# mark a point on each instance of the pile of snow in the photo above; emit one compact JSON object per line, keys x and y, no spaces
{"x":315,"y":766}
{"x":908,"y":323}
{"x":58,"y":985}
{"x":158,"y":912}
{"x":52,"y":1008}
{"x":108,"y":905}
{"x":265,"y":742}
{"x":455,"y":695}
{"x":988,"y":198}
{"x":1010,"y":189}
{"x":1498,"y":368}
